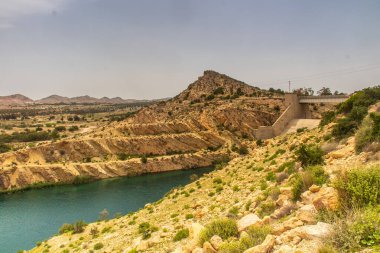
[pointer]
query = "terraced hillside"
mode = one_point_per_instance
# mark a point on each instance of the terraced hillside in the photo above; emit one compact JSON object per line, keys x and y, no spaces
{"x":313,"y":191}
{"x":200,"y":127}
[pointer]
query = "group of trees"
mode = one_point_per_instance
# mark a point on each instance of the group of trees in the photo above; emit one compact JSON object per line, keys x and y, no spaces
{"x":325,"y":91}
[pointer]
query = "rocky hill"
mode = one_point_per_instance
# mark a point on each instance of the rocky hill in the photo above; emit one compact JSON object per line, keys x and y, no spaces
{"x":200,"y":126}
{"x":313,"y":191}
{"x":21,"y":100}
{"x":16,"y":99}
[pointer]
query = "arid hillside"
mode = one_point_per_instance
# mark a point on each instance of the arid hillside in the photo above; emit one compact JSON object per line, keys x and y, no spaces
{"x":314,"y":191}
{"x":208,"y":122}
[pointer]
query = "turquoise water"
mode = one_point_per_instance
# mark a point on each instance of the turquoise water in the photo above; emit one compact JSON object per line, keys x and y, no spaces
{"x":35,"y":215}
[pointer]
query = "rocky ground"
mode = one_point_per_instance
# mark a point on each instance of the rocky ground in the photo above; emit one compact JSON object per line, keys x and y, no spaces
{"x":255,"y":191}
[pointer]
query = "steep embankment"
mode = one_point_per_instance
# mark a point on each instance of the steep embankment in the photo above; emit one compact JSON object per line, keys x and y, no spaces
{"x":201,"y":123}
{"x":279,"y":198}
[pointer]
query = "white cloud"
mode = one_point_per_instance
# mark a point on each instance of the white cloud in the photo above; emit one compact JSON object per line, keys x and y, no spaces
{"x":11,"y":10}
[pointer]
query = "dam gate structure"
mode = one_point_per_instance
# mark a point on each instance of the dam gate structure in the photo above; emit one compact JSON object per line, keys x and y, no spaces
{"x":297,"y":107}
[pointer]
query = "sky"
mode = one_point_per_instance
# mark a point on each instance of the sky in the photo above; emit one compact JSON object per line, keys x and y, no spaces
{"x":148,"y":49}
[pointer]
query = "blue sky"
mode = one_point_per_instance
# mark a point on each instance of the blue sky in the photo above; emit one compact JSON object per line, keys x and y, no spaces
{"x":155,"y":48}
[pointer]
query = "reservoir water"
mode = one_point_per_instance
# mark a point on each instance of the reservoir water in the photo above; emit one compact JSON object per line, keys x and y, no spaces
{"x":35,"y":215}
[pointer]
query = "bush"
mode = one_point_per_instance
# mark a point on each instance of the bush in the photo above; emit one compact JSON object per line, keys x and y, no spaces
{"x":360,"y":186}
{"x":224,"y":228}
{"x":368,"y":132}
{"x":146,"y":230}
{"x":99,"y":245}
{"x":358,"y":230}
{"x":327,"y":118}
{"x":144,"y":159}
{"x":310,"y":155}
{"x":4,"y":148}
{"x":65,"y":228}
{"x":73,"y":128}
{"x":60,"y":128}
{"x":182,"y":234}
{"x":267,"y":208}
{"x":77,"y":227}
{"x":302,"y":181}
{"x":355,"y":108}
{"x":255,"y":236}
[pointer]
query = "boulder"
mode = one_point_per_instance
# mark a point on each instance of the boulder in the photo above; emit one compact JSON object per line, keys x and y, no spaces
{"x":207,"y":248}
{"x":314,"y":188}
{"x":286,"y":191}
{"x":265,"y":247}
{"x":285,"y":249}
{"x":197,"y":250}
{"x":248,"y":220}
{"x":327,"y":198}
{"x":319,"y":231}
{"x":194,"y":230}
{"x":216,"y":241}
{"x":307,"y":213}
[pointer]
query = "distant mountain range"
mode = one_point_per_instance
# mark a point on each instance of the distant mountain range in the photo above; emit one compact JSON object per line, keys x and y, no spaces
{"x":18,"y":99}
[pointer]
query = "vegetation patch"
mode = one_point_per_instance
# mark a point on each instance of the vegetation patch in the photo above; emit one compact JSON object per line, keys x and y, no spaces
{"x":225,"y":228}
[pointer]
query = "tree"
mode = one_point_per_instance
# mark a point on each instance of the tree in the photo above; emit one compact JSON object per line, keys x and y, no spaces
{"x":324,"y":92}
{"x":304,"y":91}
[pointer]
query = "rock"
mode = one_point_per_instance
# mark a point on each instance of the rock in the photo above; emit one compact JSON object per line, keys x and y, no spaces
{"x":197,"y":250}
{"x":287,"y":191}
{"x":285,"y":249}
{"x":326,"y":198}
{"x":267,"y":220}
{"x":307,"y":197}
{"x":265,"y":247}
{"x":292,"y":223}
{"x":216,"y":241}
{"x":143,"y":245}
{"x":284,"y":210}
{"x":207,"y":248}
{"x":337,"y":154}
{"x":282,"y":198}
{"x":319,"y":231}
{"x":248,"y":220}
{"x":314,"y":188}
{"x":194,"y":230}
{"x":307,"y":213}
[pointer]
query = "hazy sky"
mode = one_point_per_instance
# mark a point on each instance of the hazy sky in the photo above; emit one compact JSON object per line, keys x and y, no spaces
{"x":155,"y":48}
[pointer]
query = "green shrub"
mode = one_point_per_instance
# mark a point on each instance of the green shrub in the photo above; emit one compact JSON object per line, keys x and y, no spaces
{"x":358,"y":230}
{"x":144,"y":159}
{"x":66,"y":228}
{"x":267,"y":207}
{"x":4,"y":148}
{"x":255,"y":236}
{"x":189,"y":216}
{"x":79,"y":226}
{"x":289,"y":166}
{"x":360,"y":186}
{"x":302,"y":181}
{"x":122,"y":156}
{"x":355,"y":108}
{"x":224,"y":228}
{"x":182,"y":234}
{"x":270,"y":176}
{"x":327,"y":249}
{"x":344,"y":128}
{"x":310,"y":155}
{"x":327,"y":118}
{"x":146,"y":230}
{"x":368,"y":132}
{"x":98,"y":246}
{"x":217,"y":180}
